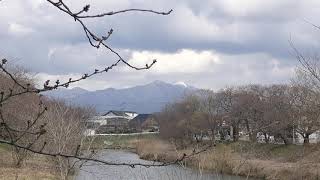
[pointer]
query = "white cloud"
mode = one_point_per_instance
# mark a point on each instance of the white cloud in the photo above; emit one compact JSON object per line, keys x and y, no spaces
{"x":19,"y":29}
{"x":183,"y":61}
{"x":281,"y":72}
{"x":205,"y":69}
{"x":51,"y":52}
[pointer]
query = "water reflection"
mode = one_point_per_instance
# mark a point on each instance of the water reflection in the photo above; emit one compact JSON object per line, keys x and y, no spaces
{"x":93,"y":171}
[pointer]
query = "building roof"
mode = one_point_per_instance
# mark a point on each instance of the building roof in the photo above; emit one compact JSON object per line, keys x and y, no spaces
{"x":119,"y":113}
{"x":141,"y":118}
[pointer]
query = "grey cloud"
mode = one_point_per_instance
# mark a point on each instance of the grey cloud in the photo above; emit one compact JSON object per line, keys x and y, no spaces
{"x":262,"y":29}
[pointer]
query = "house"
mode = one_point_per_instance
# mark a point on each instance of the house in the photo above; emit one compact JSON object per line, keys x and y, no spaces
{"x":120,"y":114}
{"x":144,"y":122}
{"x":313,"y":138}
{"x":111,"y":122}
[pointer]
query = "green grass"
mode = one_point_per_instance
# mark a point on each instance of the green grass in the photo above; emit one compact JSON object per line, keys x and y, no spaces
{"x":101,"y":142}
{"x":4,"y":148}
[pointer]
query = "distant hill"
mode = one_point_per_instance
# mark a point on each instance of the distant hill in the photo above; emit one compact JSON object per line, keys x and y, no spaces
{"x":147,"y":98}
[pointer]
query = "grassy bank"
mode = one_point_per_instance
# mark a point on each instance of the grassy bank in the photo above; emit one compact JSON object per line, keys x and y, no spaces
{"x":242,"y":158}
{"x":34,"y":168}
{"x":266,"y":161}
{"x":118,"y":142}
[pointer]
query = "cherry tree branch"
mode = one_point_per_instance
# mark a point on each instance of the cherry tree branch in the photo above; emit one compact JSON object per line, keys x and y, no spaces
{"x":96,"y":41}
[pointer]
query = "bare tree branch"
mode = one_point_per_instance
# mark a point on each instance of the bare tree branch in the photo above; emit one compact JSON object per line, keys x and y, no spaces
{"x":16,"y":134}
{"x":98,"y":41}
{"x":132,"y":165}
{"x":123,"y":11}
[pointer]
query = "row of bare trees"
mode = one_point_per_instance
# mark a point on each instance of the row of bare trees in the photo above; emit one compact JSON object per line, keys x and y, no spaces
{"x":32,"y":124}
{"x":45,"y":128}
{"x":37,"y":122}
{"x":281,"y":112}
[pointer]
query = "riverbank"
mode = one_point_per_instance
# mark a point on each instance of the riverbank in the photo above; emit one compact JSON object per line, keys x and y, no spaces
{"x":34,"y":168}
{"x":119,"y":141}
{"x":266,"y":161}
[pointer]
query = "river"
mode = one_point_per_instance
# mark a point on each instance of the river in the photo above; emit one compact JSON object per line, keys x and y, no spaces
{"x":93,"y":171}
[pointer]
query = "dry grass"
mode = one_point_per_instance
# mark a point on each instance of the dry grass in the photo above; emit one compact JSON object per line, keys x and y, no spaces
{"x":271,"y":162}
{"x":35,"y":167}
{"x":156,"y":150}
{"x":25,"y":174}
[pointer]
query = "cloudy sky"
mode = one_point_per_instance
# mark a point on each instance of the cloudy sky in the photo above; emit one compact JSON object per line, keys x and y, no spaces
{"x":207,"y":43}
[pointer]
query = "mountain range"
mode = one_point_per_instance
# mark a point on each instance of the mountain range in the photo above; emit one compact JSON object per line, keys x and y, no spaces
{"x":148,"y":98}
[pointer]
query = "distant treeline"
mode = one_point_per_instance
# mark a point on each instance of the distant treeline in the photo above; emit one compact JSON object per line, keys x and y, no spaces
{"x":281,"y":112}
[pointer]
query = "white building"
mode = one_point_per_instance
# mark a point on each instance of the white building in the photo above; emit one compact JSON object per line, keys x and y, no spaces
{"x":111,"y":115}
{"x":112,"y":120}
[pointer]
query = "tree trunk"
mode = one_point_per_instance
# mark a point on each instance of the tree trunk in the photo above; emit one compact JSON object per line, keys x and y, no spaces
{"x":306,"y":139}
{"x":213,"y":135}
{"x":235,"y":134}
{"x":266,"y":138}
{"x":286,"y":140}
{"x":251,"y":135}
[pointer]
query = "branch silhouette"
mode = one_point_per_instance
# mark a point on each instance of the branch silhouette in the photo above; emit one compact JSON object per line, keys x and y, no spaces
{"x":14,"y":135}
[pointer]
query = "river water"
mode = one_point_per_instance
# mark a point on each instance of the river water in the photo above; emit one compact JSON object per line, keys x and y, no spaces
{"x":93,"y":171}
